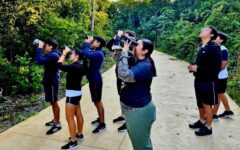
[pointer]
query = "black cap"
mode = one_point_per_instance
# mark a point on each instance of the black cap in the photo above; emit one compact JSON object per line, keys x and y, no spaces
{"x":52,"y":43}
{"x":101,"y":40}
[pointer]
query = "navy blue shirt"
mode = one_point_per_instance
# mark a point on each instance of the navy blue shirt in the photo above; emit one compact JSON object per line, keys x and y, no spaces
{"x":50,"y":62}
{"x":96,"y":58}
{"x":137,"y":94}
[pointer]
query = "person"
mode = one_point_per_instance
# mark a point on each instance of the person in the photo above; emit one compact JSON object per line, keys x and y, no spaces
{"x":222,"y":79}
{"x":75,"y":72}
{"x":96,"y":57}
{"x":51,"y":79}
{"x":138,"y":107}
{"x":206,"y":69}
{"x":115,"y":46}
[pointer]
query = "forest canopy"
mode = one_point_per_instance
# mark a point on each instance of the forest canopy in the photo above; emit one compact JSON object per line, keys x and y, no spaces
{"x":174,"y":26}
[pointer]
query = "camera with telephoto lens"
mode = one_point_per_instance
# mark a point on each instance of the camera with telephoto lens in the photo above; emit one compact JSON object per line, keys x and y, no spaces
{"x":36,"y":42}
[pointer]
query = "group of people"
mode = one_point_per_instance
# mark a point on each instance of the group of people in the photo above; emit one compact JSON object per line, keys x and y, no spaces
{"x":135,"y":70}
{"x":211,"y":75}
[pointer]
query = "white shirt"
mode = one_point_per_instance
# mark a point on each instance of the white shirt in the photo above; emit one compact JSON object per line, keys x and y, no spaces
{"x":73,"y":93}
{"x":224,"y":73}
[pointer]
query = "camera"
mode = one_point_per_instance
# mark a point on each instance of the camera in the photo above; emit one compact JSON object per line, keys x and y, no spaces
{"x":36,"y":42}
{"x":130,"y":39}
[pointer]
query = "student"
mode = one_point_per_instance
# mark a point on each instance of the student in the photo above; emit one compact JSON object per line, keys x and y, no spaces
{"x":135,"y":96}
{"x":96,"y":57}
{"x":222,"y":79}
{"x":206,"y":70}
{"x":115,"y":46}
{"x":75,"y":72}
{"x":51,"y":79}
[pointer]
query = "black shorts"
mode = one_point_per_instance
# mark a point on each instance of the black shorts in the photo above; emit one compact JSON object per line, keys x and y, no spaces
{"x":206,"y":93}
{"x":222,"y":85}
{"x":73,"y":100}
{"x":51,"y":92}
{"x":119,"y":85}
{"x":96,"y":91}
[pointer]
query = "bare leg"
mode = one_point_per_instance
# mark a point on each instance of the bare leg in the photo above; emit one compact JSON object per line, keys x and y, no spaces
{"x":216,"y":107}
{"x":209,"y":114}
{"x":80,"y":120}
{"x":202,"y":113}
{"x":56,"y":111}
{"x":100,"y":110}
{"x":70,"y":112}
{"x":224,"y":100}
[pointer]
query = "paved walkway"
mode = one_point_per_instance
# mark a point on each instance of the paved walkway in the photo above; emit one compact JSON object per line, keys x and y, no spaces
{"x":172,"y":93}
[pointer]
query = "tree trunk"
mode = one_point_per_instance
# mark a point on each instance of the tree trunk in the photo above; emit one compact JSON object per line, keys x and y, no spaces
{"x":92,"y":19}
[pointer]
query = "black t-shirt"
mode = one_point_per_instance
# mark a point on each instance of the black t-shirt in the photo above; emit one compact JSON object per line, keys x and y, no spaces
{"x":209,"y":60}
{"x":75,"y":72}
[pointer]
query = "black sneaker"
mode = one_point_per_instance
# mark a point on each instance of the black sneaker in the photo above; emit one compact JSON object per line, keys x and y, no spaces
{"x":100,"y":128}
{"x":226,"y":114}
{"x":122,"y":128}
{"x":203,"y":131}
{"x":70,"y":146}
{"x":78,"y":137}
{"x":50,"y":123}
{"x":97,"y":121}
{"x":54,"y":129}
{"x":215,"y":118}
{"x":119,"y":119}
{"x":196,"y":125}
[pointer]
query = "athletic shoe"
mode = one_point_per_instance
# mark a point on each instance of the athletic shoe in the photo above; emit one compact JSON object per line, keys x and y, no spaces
{"x":226,"y":114}
{"x":50,"y":123}
{"x":215,"y":118}
{"x":78,"y":137}
{"x":196,"y":125}
{"x":97,"y":121}
{"x":119,"y":119}
{"x":203,"y":131}
{"x":100,"y":128}
{"x":54,"y":129}
{"x":70,"y":146}
{"x":122,"y":128}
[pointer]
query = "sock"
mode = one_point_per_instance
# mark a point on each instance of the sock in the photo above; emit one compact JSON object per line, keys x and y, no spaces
{"x":203,"y":121}
{"x":209,"y":127}
{"x":58,"y":125}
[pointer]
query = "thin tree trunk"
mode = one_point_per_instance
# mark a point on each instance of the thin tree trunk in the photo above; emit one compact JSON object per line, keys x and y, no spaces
{"x":93,"y":15}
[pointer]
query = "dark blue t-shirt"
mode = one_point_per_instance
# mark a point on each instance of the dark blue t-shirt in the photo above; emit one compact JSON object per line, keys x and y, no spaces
{"x":96,"y":62}
{"x":137,"y":94}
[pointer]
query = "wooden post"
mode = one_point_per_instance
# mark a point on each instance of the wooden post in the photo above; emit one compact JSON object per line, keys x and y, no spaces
{"x":92,"y":19}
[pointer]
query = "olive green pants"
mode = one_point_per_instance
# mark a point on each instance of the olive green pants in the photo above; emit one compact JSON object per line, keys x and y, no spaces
{"x":139,"y":123}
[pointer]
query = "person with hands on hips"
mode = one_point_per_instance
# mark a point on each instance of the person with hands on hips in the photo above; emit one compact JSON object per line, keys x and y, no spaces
{"x":92,"y":49}
{"x":75,"y":72}
{"x":51,"y":79}
{"x":135,"y":96}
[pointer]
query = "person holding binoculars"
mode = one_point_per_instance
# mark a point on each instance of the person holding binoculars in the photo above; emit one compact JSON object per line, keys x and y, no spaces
{"x":135,"y":95}
{"x":92,"y":49}
{"x":51,"y":78}
{"x":75,"y":72}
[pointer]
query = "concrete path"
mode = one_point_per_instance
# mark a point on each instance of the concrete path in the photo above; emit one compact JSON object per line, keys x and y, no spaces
{"x":172,"y":93}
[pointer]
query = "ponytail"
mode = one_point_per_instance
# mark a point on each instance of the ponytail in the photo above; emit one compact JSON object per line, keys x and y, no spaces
{"x":154,"y":70}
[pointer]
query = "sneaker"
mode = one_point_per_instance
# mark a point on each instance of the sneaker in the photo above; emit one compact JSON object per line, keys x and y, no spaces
{"x":196,"y":125}
{"x":50,"y":123}
{"x":226,"y":114}
{"x":78,"y":137}
{"x":215,"y":118}
{"x":70,"y":146}
{"x":203,"y":131}
{"x":119,"y":119}
{"x":54,"y":129}
{"x":122,"y":128}
{"x":100,"y":128}
{"x":97,"y":121}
